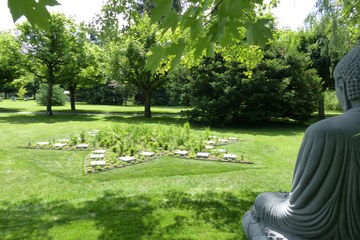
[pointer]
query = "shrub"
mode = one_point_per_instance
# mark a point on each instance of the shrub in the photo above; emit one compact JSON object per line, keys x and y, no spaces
{"x":281,"y":86}
{"x":331,"y":101}
{"x":58,"y":96}
{"x":21,"y":93}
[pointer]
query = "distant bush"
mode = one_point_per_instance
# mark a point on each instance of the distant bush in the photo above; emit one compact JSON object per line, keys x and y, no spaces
{"x":110,"y":93}
{"x":58,"y":96}
{"x":281,"y":86}
{"x":331,"y":101}
{"x":21,"y":93}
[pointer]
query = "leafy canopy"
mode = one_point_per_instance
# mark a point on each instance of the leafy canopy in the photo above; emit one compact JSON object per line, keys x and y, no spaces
{"x":205,"y":24}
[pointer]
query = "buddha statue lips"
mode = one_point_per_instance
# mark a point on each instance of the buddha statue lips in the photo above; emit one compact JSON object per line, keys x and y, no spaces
{"x":324,"y":201}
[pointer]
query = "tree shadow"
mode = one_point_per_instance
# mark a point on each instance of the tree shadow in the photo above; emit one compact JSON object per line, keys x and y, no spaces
{"x":167,"y":120}
{"x":117,"y":216}
{"x":11,"y":110}
{"x":66,"y":117}
{"x":28,"y":119}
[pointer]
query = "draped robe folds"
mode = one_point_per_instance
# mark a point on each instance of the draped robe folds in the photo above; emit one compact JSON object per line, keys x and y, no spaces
{"x":324,"y":202}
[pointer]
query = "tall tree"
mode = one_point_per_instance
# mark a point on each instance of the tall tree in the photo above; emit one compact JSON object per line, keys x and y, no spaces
{"x":197,"y":27}
{"x":328,"y":36}
{"x":82,"y":65}
{"x":49,"y":52}
{"x":132,"y":68}
{"x":10,"y":58}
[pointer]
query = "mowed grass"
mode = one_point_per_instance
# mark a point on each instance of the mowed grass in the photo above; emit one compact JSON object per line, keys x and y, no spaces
{"x":45,"y":194}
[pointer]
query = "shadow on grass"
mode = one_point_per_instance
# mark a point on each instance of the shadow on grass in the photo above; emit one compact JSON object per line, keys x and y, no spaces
{"x":141,"y":217}
{"x":154,"y":120}
{"x":11,"y":110}
{"x":29,"y":119}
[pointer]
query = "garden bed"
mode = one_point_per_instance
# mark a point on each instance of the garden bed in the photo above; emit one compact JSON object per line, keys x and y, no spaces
{"x":121,"y":146}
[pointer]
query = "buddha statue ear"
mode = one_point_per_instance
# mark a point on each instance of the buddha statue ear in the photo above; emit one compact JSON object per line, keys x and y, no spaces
{"x":342,"y":95}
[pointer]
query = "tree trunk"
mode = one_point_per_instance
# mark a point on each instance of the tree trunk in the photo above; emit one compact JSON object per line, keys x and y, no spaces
{"x":147,"y":104}
{"x":321,"y":107}
{"x":72,"y":98}
{"x":49,"y":99}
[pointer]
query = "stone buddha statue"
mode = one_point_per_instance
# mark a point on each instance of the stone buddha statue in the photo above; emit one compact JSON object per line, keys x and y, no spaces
{"x":324,"y":201}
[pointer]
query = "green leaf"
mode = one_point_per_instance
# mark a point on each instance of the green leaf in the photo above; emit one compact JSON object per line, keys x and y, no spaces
{"x":161,"y":10}
{"x":258,"y":33}
{"x":177,"y":50}
{"x":170,"y":21}
{"x":35,"y":11}
{"x":237,"y":7}
{"x":200,"y":46}
{"x":226,"y":38}
{"x":210,"y":50}
{"x":154,"y":60}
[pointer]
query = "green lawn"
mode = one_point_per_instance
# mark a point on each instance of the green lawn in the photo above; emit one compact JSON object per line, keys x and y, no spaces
{"x":45,"y":194}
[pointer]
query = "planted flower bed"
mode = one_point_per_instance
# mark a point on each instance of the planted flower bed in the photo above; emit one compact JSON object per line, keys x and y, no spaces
{"x":124,"y":145}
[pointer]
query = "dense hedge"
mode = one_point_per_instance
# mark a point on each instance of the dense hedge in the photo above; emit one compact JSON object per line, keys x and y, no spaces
{"x":281,"y":86}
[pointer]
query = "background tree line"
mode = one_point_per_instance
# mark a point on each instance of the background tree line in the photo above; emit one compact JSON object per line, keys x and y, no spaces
{"x":107,"y":61}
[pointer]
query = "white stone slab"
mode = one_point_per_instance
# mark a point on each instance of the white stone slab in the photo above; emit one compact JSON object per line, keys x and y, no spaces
{"x":202,"y":155}
{"x":213,"y":137}
{"x":222,"y":150}
{"x":98,"y":163}
{"x":60,"y":145}
{"x":99,"y":151}
{"x":210,"y":142}
{"x":127,"y":159}
{"x":181,"y":153}
{"x":82,"y":146}
{"x":95,"y":131}
{"x":230,"y":156}
{"x":223,"y":141}
{"x":209,"y":147}
{"x":97,"y":156}
{"x":147,"y":154}
{"x":233,"y":139}
{"x":43,"y":143}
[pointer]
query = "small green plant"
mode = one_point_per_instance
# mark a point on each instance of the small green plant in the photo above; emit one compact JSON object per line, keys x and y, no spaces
{"x":166,"y":146}
{"x":207,"y":133}
{"x":114,"y":149}
{"x":187,"y":130}
{"x":132,"y":151}
{"x":73,"y":141}
{"x":120,"y":148}
{"x":82,"y":136}
{"x":93,"y":142}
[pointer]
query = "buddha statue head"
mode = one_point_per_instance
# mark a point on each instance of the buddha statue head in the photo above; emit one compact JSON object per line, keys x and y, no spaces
{"x":347,"y":80}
